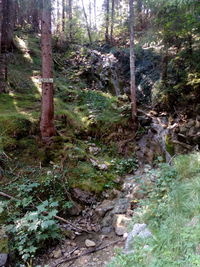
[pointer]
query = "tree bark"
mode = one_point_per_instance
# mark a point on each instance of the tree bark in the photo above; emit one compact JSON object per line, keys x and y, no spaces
{"x":112,"y":21}
{"x":107,"y":21}
{"x":2,"y":78}
{"x":63,"y":15}
{"x":95,"y":14}
{"x":132,"y":65}
{"x":70,"y":20}
{"x":58,"y":17}
{"x":90,"y":14}
{"x":7,"y":26}
{"x":47,"y":128}
{"x":87,"y":24}
{"x":35,"y":16}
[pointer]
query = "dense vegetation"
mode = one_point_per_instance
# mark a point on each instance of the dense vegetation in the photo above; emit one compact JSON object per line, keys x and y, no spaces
{"x":172,"y":212}
{"x":96,"y":140}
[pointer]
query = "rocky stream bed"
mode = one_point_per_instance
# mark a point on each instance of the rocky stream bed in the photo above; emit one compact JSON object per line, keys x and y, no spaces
{"x":102,"y":227}
{"x":111,"y":219}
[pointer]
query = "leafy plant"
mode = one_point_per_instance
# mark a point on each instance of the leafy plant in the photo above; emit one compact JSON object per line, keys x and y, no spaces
{"x":125,"y":166}
{"x":31,"y":231}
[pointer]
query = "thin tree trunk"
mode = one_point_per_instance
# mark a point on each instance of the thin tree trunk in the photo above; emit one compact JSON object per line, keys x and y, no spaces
{"x":47,"y":113}
{"x":139,"y":6}
{"x":70,"y":20}
{"x":107,"y":21}
{"x":58,"y":17}
{"x":63,"y":15}
{"x":112,"y":21}
{"x":35,"y":16}
{"x":132,"y":65}
{"x":2,"y":75}
{"x":7,"y":26}
{"x":87,"y":24}
{"x":1,"y":20}
{"x":95,"y":14}
{"x":90,"y":14}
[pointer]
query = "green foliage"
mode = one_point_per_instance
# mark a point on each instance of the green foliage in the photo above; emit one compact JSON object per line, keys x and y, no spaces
{"x":125,"y":166}
{"x":171,"y":211}
{"x":32,"y":231}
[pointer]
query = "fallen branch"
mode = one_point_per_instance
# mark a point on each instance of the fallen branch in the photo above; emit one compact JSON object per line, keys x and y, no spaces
{"x":7,"y":196}
{"x":86,"y":253}
{"x":45,"y":212}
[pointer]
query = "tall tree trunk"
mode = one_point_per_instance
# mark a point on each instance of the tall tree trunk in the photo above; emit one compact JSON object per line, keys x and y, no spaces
{"x":70,"y":20}
{"x":107,"y":21}
{"x":112,"y":21}
{"x":47,"y":113}
{"x":87,"y":24}
{"x":90,"y":14}
{"x":63,"y":15}
{"x":35,"y":16}
{"x":95,"y":14}
{"x":7,"y":25}
{"x":1,"y":20}
{"x":2,"y":65}
{"x":139,"y":6}
{"x":58,"y":17}
{"x":132,"y":65}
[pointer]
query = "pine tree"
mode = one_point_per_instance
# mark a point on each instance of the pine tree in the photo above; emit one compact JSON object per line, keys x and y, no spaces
{"x":47,"y":128}
{"x":132,"y":64}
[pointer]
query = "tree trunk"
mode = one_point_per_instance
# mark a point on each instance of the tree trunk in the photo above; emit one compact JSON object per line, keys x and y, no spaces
{"x":90,"y":14}
{"x":95,"y":14}
{"x":139,"y":6}
{"x":70,"y":20}
{"x":2,"y":65}
{"x":47,"y":113}
{"x":7,"y":26}
{"x":132,"y":65}
{"x":58,"y":17}
{"x":35,"y":16}
{"x":107,"y":21}
{"x":112,"y":21}
{"x":87,"y":24}
{"x":63,"y":15}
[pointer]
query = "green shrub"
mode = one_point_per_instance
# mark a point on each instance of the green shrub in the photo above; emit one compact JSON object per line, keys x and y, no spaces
{"x":32,"y":231}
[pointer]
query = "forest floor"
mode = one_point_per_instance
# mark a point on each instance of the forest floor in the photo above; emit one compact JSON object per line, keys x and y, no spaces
{"x":93,"y":152}
{"x":108,"y":240}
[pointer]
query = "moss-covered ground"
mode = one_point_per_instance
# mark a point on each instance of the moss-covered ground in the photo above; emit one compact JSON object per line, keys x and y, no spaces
{"x":83,"y":117}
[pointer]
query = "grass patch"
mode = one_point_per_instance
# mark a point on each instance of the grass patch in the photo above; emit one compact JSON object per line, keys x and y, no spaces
{"x":172,"y":213}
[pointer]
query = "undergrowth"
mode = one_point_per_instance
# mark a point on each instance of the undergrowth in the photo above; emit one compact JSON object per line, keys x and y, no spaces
{"x":42,"y":177}
{"x":171,"y":211}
